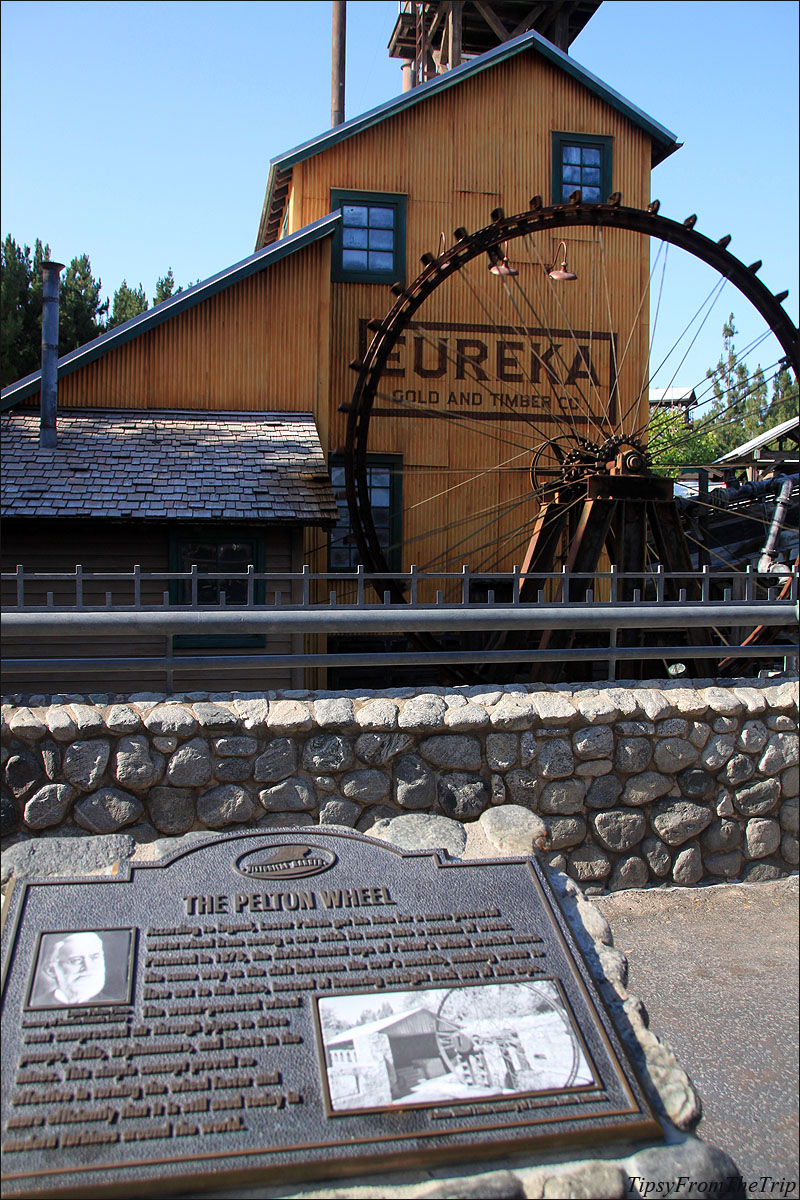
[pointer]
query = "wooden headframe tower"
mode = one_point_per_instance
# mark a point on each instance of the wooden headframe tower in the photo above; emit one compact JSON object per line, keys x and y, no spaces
{"x":432,"y":38}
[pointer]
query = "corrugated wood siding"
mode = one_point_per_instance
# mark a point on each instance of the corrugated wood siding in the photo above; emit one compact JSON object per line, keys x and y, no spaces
{"x":260,"y":344}
{"x":283,"y":339}
{"x":466,"y":491}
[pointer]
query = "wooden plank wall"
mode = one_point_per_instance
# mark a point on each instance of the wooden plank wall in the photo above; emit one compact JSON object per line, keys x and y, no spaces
{"x":466,"y":493}
{"x":282,"y":339}
{"x":262,"y":344}
{"x":113,"y":548}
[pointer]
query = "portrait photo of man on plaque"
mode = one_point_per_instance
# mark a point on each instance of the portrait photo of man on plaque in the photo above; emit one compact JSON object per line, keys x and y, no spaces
{"x":81,"y":967}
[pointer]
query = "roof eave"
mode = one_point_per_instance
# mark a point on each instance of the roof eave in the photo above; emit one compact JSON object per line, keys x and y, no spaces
{"x":663,"y":140}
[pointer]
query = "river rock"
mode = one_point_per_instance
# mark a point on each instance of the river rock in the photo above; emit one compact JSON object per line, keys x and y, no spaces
{"x":227,"y":805}
{"x":462,"y":796}
{"x":757,"y":798}
{"x":513,"y":829}
{"x":327,"y":752}
{"x":107,"y":810}
{"x":762,"y":836}
{"x":688,"y":866}
{"x":190,"y":765}
{"x":675,"y":821}
{"x":85,"y":762}
{"x":414,"y":783}
{"x":376,"y":749}
{"x":171,"y":809}
{"x":278,"y":761}
{"x":562,"y":796}
{"x":452,"y":750}
{"x":49,"y":806}
{"x":619,"y":829}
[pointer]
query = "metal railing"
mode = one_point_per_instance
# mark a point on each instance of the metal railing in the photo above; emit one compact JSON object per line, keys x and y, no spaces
{"x":453,"y":606}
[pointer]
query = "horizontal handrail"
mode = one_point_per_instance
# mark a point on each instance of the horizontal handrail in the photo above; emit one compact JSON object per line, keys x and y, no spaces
{"x":399,"y":658}
{"x":399,"y":618}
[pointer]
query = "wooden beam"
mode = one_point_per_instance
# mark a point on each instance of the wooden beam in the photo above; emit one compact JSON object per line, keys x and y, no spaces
{"x":494,"y":22}
{"x":454,"y":25}
{"x":527,"y":22}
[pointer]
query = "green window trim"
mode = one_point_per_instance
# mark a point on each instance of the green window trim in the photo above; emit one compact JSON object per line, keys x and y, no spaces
{"x":385,"y":476}
{"x":373,"y":226}
{"x":585,"y":161}
{"x":180,"y":543}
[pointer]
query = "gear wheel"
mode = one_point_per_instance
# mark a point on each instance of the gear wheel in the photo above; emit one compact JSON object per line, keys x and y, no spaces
{"x":581,"y":461}
{"x":628,"y":454}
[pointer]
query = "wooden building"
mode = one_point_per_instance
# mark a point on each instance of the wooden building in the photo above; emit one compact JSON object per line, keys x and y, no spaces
{"x":488,"y":373}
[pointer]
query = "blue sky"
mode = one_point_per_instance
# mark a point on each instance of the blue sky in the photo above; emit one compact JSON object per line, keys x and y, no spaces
{"x":141,"y":132}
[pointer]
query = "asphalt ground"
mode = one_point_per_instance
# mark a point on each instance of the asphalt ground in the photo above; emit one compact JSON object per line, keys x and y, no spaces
{"x":717,"y":970}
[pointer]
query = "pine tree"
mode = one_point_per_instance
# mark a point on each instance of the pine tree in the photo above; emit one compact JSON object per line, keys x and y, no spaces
{"x":165,"y":287}
{"x":81,"y":313}
{"x":128,"y":302}
{"x":20,"y":309}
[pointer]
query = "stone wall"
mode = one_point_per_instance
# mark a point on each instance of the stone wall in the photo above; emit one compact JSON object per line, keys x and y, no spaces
{"x":631,"y":785}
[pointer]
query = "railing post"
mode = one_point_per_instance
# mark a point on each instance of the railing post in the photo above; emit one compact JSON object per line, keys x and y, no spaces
{"x":137,"y":586}
{"x":78,"y":585}
{"x":20,"y":585}
{"x":170,"y":674}
{"x":612,"y":658}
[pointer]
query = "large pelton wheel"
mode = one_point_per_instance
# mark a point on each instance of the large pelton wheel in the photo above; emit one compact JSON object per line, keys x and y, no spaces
{"x":510,"y":383}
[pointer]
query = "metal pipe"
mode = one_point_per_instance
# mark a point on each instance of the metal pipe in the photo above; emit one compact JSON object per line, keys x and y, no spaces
{"x":49,"y":396}
{"x":767,"y":560}
{"x":339,"y":39}
{"x":399,"y":618}
{"x":400,"y":658}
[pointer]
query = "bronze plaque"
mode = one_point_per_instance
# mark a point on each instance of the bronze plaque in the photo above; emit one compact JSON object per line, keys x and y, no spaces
{"x":296,"y":1004}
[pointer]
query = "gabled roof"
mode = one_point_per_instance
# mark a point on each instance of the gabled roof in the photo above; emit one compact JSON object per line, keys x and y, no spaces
{"x":672,"y":396}
{"x":790,"y":429}
{"x":663,"y":141}
{"x":160,"y":464}
{"x":185,"y":300}
{"x":396,"y":1022}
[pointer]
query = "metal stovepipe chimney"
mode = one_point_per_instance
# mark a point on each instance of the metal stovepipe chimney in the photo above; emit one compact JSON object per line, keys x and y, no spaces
{"x":49,"y":394}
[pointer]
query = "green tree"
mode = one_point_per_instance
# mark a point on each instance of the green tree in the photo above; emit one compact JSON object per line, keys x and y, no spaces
{"x":128,"y":302}
{"x":742,"y":407}
{"x":741,"y":401}
{"x":165,"y":287}
{"x":20,"y":309}
{"x":81,"y":312}
{"x":784,"y":401}
{"x":673,"y":444}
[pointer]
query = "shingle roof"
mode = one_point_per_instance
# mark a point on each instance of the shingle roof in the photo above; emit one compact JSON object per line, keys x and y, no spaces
{"x":166,"y":465}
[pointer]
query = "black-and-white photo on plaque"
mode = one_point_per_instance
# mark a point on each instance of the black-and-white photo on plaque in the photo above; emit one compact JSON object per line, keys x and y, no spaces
{"x":303,"y":1003}
{"x":82,"y":966}
{"x":437,"y":1045}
